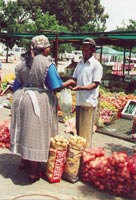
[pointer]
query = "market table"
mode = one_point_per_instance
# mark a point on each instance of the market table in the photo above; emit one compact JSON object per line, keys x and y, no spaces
{"x":120,"y":128}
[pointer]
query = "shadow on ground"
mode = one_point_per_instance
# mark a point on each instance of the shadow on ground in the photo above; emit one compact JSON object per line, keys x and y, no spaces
{"x":121,"y":148}
{"x":9,"y":169}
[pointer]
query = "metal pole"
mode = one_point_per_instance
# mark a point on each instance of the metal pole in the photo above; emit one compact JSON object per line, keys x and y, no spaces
{"x":101,"y":54}
{"x":124,"y":61}
{"x":129,"y":67}
{"x":56,"y":49}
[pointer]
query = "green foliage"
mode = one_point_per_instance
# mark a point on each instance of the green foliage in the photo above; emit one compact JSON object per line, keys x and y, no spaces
{"x":74,"y":14}
{"x":97,"y":24}
{"x":2,"y":23}
{"x":93,"y":27}
{"x":131,"y":26}
{"x":66,"y":47}
{"x":59,"y":16}
{"x":12,"y":17}
{"x":15,"y":19}
{"x":47,"y":22}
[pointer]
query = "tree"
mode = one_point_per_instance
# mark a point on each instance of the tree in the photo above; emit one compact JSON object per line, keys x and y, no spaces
{"x":12,"y":19}
{"x":2,"y":22}
{"x":47,"y":22}
{"x":74,"y":14}
{"x":131,"y":26}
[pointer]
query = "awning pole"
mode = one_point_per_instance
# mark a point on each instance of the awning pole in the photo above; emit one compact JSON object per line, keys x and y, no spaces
{"x":101,"y":54}
{"x":129,"y":67}
{"x":56,"y":49}
{"x":124,"y":61}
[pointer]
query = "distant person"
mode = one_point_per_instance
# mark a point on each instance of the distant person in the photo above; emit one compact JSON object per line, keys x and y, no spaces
{"x":34,"y":108}
{"x":130,"y":88}
{"x":87,"y":75}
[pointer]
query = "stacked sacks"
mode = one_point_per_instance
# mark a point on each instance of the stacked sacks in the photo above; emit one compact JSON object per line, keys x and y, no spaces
{"x":65,"y":158}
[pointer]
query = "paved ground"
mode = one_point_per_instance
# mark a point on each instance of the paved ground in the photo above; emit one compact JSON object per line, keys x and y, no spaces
{"x":14,"y":184}
{"x":9,"y":67}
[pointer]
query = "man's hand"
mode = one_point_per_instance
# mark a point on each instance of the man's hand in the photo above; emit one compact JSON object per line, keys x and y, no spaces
{"x":78,"y":87}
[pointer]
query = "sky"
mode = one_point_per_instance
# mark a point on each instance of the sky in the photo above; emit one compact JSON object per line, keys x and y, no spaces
{"x":119,"y":11}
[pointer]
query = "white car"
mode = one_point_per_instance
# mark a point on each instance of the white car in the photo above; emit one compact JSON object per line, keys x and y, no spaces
{"x":67,"y":56}
{"x":75,"y":54}
{"x":4,"y":52}
{"x":18,"y":51}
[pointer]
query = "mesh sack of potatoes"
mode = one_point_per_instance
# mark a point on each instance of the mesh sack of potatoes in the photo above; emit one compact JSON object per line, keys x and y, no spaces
{"x":57,"y":159}
{"x":73,"y":159}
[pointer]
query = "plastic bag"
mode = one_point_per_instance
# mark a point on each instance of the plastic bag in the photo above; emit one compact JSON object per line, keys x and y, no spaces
{"x":65,"y":100}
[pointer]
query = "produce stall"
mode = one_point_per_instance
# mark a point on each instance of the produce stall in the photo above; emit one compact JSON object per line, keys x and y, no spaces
{"x":115,"y":173}
{"x":6,"y":90}
{"x":115,"y":117}
{"x":116,"y":112}
{"x":71,"y":160}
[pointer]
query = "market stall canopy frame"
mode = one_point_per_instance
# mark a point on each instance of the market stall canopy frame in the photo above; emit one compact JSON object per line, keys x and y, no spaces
{"x":124,"y":39}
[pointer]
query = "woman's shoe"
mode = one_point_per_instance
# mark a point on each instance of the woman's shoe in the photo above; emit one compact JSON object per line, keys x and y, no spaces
{"x":34,"y":171}
{"x":22,"y":167}
{"x":33,"y":179}
{"x":25,"y":164}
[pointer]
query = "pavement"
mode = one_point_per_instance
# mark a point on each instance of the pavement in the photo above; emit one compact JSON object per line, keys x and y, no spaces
{"x":14,"y":184}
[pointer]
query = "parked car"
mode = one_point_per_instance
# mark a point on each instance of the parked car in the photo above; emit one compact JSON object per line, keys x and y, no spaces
{"x":18,"y":51}
{"x":67,"y":56}
{"x":75,"y":54}
{"x":4,"y":52}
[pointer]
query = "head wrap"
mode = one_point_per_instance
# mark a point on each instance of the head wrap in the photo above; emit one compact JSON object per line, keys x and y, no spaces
{"x":39,"y":42}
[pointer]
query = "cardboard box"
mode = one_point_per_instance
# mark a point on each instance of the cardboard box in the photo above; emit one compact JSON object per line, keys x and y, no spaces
{"x":129,"y":110}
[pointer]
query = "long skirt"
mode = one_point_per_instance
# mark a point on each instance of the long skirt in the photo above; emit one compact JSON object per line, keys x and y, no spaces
{"x":33,"y":123}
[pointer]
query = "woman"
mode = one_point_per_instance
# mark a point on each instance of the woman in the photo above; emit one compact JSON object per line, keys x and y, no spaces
{"x":34,"y":114}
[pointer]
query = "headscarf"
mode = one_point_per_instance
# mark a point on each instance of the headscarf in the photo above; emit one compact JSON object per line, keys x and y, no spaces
{"x":40,"y":42}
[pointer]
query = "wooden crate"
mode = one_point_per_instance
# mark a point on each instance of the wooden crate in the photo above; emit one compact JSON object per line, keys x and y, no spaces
{"x":131,"y":107}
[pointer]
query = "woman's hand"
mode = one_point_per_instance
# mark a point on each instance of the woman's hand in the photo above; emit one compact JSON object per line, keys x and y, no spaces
{"x":69,"y":83}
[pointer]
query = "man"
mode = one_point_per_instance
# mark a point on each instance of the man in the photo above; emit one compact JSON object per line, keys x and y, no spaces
{"x":87,"y":75}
